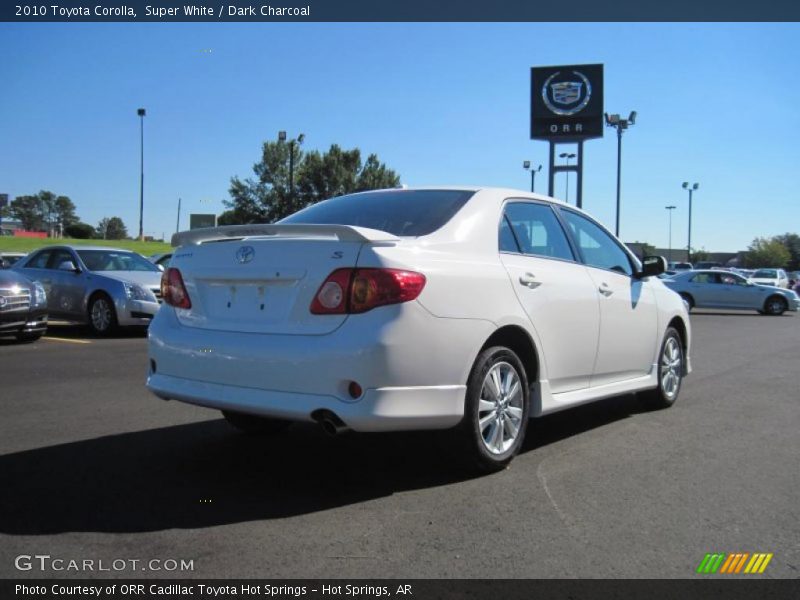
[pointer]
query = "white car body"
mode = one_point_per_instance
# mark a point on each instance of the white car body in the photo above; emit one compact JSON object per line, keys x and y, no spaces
{"x":250,"y":343}
{"x":780,"y":278}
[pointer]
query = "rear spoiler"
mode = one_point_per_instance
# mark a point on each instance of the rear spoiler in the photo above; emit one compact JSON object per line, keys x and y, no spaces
{"x":344,"y":233}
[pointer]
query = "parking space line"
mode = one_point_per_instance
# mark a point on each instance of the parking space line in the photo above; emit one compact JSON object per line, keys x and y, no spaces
{"x":59,"y":339}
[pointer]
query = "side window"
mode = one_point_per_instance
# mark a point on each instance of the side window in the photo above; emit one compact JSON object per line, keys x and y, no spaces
{"x":60,"y":256}
{"x":40,"y":260}
{"x":598,"y":248}
{"x":536,"y":230}
{"x":507,"y":241}
{"x":705,"y":278}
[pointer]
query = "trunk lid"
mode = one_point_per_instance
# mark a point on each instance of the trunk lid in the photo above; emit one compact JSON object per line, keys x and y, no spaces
{"x":265,"y":282}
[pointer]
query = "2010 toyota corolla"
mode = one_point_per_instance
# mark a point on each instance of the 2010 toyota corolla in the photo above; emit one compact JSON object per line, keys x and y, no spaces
{"x":470,"y":309}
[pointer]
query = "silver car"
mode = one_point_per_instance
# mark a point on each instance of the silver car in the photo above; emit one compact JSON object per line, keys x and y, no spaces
{"x":104,"y":287}
{"x":723,"y":289}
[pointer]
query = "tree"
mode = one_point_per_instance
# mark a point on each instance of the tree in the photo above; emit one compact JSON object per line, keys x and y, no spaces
{"x":268,"y":197}
{"x":28,"y":209}
{"x":791,"y":241}
{"x":64,"y":211}
{"x":79,"y":231}
{"x":111,"y":229}
{"x":44,"y":212}
{"x":699,"y":255}
{"x":764,"y":252}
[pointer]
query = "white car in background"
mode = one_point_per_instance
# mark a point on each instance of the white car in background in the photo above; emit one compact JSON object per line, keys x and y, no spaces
{"x":470,"y":309}
{"x":773,"y":277}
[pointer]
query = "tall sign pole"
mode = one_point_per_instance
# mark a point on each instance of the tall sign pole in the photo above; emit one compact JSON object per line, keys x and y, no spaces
{"x":567,"y":108}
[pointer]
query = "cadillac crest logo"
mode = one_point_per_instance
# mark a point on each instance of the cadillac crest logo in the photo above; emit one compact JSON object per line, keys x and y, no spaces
{"x":566,"y":93}
{"x":245,"y":254}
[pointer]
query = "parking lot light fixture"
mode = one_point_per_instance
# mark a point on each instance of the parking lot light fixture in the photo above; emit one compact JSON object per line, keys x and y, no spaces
{"x":620,"y":125}
{"x":670,"y":208}
{"x":292,"y":142}
{"x":690,"y":188}
{"x":527,"y":166}
{"x":141,"y":112}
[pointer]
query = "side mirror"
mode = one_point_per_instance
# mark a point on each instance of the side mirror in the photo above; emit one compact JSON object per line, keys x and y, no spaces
{"x":652,"y":266}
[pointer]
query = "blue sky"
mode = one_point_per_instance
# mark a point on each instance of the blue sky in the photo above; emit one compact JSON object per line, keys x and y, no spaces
{"x":440,"y":103}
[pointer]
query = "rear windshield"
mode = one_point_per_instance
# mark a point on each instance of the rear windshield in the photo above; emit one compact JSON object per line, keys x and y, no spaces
{"x":766,"y":273}
{"x":409,"y":213}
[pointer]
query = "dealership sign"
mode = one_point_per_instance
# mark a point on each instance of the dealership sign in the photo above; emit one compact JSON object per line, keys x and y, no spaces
{"x":567,"y":102}
{"x":199,"y":220}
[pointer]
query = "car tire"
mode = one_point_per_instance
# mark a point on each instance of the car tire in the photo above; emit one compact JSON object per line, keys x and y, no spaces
{"x":671,"y":369}
{"x":102,"y":315}
{"x":688,"y":299}
{"x":28,"y":337}
{"x":254,"y":425}
{"x":775,"y":306}
{"x":495,"y":410}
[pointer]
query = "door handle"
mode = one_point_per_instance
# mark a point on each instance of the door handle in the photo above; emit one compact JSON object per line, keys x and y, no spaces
{"x":529,"y":280}
{"x":605,"y":290}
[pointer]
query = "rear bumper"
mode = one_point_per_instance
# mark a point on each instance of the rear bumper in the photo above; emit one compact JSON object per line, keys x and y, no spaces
{"x":412,"y":366}
{"x":382,"y":409}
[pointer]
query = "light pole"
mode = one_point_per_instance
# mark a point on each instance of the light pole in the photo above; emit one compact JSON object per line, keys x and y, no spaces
{"x":299,"y":140}
{"x":568,"y":156}
{"x":670,"y":209}
{"x":620,"y":125}
{"x":527,"y":166}
{"x":141,"y":112}
{"x":690,"y":189}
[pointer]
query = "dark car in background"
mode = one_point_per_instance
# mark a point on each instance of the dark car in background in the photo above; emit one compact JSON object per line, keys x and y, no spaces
{"x":7,"y":259}
{"x":23,"y":307}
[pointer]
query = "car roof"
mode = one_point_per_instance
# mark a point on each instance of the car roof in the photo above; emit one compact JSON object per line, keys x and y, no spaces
{"x":84,"y":247}
{"x":516,"y":193}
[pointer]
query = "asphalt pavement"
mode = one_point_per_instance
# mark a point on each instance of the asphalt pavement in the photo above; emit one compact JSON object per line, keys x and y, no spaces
{"x":93,"y":467}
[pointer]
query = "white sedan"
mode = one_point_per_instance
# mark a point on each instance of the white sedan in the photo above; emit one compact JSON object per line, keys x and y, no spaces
{"x":462,"y":309}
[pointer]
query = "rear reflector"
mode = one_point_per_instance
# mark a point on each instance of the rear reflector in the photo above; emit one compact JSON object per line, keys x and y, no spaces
{"x":172,"y":289}
{"x":348,"y":291}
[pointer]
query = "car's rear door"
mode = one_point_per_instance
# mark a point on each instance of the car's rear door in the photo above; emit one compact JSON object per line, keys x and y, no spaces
{"x":555,"y":290}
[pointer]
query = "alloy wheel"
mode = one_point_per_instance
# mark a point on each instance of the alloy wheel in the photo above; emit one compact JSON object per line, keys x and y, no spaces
{"x":101,"y":314}
{"x":500,"y":408}
{"x":671,"y":368}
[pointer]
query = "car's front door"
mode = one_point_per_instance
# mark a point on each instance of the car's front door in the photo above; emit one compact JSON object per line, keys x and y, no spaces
{"x":741,"y":292}
{"x":67,"y":283}
{"x":628,"y":311}
{"x":554,"y":289}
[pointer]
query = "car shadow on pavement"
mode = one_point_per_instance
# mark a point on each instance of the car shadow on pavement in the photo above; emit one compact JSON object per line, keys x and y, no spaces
{"x":205,"y":474}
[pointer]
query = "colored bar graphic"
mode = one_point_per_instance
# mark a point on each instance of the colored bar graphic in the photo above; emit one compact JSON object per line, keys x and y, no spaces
{"x":741,"y":561}
{"x":727,"y":566}
{"x":766,"y":562}
{"x":734,"y":562}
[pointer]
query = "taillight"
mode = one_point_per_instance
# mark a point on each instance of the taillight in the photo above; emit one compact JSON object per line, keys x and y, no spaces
{"x":347,"y":291}
{"x":331,"y":298}
{"x":173,"y":292}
